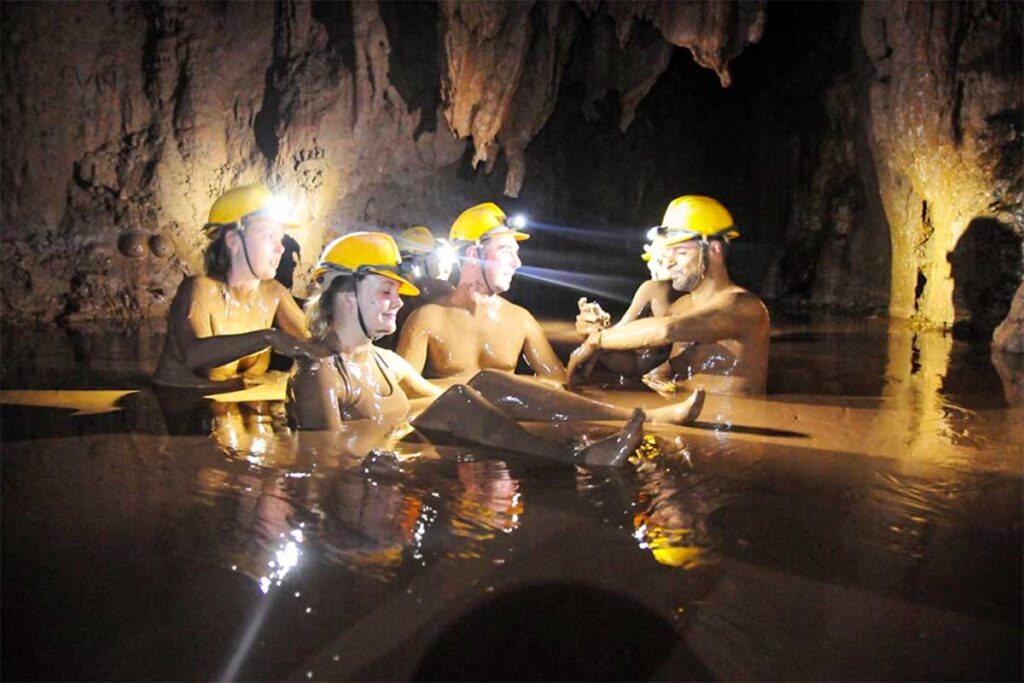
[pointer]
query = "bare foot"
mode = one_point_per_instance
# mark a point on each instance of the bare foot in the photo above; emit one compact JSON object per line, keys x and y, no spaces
{"x":617,"y":448}
{"x":681,"y":413}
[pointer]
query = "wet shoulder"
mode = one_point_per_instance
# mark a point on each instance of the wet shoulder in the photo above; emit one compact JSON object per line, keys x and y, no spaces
{"x":513,"y":311}
{"x":272,"y":290}
{"x":426,"y":315}
{"x":199,"y":289}
{"x":751,"y":304}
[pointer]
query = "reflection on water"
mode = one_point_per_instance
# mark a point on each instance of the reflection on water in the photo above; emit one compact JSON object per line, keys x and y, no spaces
{"x":867,"y":513}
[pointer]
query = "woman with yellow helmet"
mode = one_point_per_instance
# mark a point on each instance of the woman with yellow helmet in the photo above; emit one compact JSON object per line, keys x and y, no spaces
{"x":222,"y":325}
{"x":361,"y":277}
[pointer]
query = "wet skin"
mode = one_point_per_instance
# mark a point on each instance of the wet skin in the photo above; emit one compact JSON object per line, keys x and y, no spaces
{"x":719,"y":332}
{"x":652,"y":298}
{"x":222,"y":330}
{"x":474,"y":328}
{"x":484,"y":411}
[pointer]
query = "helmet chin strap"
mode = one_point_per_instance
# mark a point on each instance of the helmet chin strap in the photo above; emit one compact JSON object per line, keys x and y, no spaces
{"x":359,"y":315}
{"x":240,"y":231}
{"x":483,"y":269}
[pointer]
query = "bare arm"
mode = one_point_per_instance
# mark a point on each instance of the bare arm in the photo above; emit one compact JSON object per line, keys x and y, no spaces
{"x":412,"y":382}
{"x":539,"y":354}
{"x":190,"y":329}
{"x":413,"y":341}
{"x":289,"y":316}
{"x":732,"y":318}
{"x":641,"y":299}
{"x":313,"y":395}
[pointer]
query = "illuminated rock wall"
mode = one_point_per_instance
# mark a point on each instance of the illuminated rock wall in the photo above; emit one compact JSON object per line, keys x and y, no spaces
{"x":946,"y":109}
{"x":122,"y":121}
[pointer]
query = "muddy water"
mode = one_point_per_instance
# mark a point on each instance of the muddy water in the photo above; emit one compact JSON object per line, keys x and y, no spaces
{"x":864,"y":520}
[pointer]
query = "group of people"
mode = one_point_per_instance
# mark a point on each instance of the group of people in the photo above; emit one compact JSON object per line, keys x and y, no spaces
{"x":689,"y":327}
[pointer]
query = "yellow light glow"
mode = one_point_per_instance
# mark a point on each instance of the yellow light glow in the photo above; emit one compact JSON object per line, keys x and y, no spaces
{"x":82,"y":402}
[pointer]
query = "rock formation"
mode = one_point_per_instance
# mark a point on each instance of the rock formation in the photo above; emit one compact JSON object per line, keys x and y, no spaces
{"x":856,"y":163}
{"x":945,"y":111}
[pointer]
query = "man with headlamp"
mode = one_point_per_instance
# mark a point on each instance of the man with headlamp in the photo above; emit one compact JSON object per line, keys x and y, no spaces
{"x":474,"y":328}
{"x":718,"y":330}
{"x":431,"y":261}
{"x":222,"y":325}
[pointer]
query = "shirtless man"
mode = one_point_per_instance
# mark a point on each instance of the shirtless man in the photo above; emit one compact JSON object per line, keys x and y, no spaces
{"x":719,"y":331}
{"x":474,"y":328}
{"x":221,"y":325}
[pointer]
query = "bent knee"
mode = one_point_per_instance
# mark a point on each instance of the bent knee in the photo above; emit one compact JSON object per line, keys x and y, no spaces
{"x":486,"y":378}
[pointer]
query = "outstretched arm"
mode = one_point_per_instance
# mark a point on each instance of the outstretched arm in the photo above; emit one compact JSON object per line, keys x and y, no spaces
{"x":190,"y":328}
{"x":413,"y":340}
{"x":731,"y":318}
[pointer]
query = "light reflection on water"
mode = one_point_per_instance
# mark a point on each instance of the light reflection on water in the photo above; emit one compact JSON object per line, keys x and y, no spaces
{"x":884,"y":509}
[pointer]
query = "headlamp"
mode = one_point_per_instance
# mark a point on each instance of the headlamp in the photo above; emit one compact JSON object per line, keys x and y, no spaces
{"x":517,"y":222}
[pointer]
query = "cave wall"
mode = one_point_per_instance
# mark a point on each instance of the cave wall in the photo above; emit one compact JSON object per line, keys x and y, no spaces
{"x":946,"y":105}
{"x":853,"y":143}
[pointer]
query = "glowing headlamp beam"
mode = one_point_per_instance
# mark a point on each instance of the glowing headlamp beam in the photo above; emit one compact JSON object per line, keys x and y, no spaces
{"x":587,"y":235}
{"x":611,"y":286}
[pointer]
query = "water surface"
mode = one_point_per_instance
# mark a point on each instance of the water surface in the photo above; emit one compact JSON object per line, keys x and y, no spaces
{"x":863,"y":521}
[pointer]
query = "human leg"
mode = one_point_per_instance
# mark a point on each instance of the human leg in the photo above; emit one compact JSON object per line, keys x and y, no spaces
{"x":523,"y":398}
{"x":464,"y":413}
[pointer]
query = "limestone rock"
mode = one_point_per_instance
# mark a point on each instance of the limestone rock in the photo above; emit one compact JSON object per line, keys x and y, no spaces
{"x":945,"y":106}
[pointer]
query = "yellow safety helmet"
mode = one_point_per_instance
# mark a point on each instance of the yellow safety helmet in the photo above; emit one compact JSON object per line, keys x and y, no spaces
{"x":237,"y":204}
{"x":651,"y":248}
{"x":416,"y":240}
{"x":358,"y":253}
{"x":694,"y":217}
{"x":480,"y":222}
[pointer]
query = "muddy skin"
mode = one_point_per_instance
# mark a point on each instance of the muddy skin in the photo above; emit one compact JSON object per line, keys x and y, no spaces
{"x":719,"y":331}
{"x":464,"y":413}
{"x":361,"y":381}
{"x":652,"y":299}
{"x":220,"y":330}
{"x":524,"y":398}
{"x":474,"y":328}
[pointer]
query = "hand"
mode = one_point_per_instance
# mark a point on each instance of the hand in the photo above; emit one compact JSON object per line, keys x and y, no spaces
{"x":585,"y":355}
{"x":293,"y":347}
{"x":660,"y":381}
{"x":592,"y":318}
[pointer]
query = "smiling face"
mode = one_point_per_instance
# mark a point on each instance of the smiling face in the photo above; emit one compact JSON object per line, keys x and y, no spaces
{"x":262,"y":240}
{"x":686,"y":265}
{"x":499,"y":260}
{"x":379,"y":302}
{"x":660,"y":263}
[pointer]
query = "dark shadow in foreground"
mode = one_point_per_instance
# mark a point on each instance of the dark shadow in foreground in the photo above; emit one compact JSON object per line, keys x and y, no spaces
{"x":558,"y":632}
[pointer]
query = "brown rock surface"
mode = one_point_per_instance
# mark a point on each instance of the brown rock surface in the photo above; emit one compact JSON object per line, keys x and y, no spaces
{"x":946,"y":104}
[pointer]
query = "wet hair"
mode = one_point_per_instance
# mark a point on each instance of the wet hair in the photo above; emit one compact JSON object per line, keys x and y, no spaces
{"x":320,"y":307}
{"x":217,"y":258}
